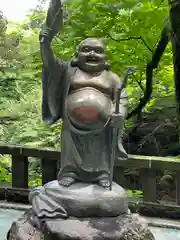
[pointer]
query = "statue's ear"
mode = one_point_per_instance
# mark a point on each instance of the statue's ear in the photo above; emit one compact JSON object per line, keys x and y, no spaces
{"x":107,"y":66}
{"x":74,"y":60}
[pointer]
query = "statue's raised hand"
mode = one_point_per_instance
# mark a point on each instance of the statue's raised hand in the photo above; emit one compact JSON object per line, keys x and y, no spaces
{"x":54,"y":21}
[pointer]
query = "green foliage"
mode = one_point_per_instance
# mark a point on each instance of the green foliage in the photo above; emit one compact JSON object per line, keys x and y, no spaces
{"x":134,"y":193}
{"x":5,"y":176}
{"x":35,"y":174}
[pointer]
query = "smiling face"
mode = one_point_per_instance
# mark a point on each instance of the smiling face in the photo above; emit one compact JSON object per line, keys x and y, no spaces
{"x":91,"y":55}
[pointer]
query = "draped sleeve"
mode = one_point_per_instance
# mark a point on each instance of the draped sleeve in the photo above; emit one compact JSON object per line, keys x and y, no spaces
{"x":53,"y":91}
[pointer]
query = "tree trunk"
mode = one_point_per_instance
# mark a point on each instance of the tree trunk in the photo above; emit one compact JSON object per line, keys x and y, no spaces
{"x":175,"y":38}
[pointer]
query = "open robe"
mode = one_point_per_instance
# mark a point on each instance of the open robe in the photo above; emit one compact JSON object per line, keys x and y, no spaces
{"x":83,"y":156}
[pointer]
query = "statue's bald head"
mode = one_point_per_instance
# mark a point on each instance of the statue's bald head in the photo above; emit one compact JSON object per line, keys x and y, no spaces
{"x":93,"y":42}
{"x":91,"y":55}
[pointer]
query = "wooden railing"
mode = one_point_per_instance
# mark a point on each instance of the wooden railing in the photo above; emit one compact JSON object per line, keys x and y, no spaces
{"x":147,"y":166}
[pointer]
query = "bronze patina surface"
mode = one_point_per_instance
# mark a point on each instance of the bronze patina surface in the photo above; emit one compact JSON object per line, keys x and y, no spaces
{"x":82,"y":93}
{"x":83,"y":203}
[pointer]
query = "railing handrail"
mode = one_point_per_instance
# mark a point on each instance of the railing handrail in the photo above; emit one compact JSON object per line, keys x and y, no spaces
{"x":139,"y":161}
{"x":29,"y":151}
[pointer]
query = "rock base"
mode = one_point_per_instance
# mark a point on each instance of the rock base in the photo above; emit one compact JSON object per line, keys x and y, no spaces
{"x":26,"y":227}
{"x":124,"y":227}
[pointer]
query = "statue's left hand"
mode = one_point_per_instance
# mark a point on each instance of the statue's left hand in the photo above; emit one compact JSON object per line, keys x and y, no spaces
{"x":117,"y":120}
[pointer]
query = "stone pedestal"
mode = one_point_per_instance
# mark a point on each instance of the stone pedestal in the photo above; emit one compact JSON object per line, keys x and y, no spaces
{"x":78,"y":200}
{"x":80,"y":212}
{"x":124,"y":227}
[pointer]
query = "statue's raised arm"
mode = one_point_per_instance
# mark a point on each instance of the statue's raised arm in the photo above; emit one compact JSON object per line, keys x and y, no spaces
{"x":53,"y":69}
{"x":54,"y":22}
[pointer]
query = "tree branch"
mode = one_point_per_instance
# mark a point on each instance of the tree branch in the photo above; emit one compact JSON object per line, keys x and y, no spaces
{"x":149,"y":71}
{"x":149,"y":136}
{"x":139,"y":82}
{"x":6,"y":119}
{"x":130,"y":38}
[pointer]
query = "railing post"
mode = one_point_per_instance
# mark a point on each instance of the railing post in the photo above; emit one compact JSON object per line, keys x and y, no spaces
{"x":148,"y":179}
{"x":19,"y":171}
{"x":178,"y":188}
{"x":118,"y":175}
{"x":49,"y":170}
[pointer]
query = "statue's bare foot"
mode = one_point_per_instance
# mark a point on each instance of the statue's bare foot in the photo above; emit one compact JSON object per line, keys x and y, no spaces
{"x":105,"y":183}
{"x":66,"y":181}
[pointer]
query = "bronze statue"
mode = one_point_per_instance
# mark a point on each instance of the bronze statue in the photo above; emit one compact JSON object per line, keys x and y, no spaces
{"x":82,"y":93}
{"x":90,"y":99}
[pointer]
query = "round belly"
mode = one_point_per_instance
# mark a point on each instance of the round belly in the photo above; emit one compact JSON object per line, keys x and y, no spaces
{"x":88,"y":108}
